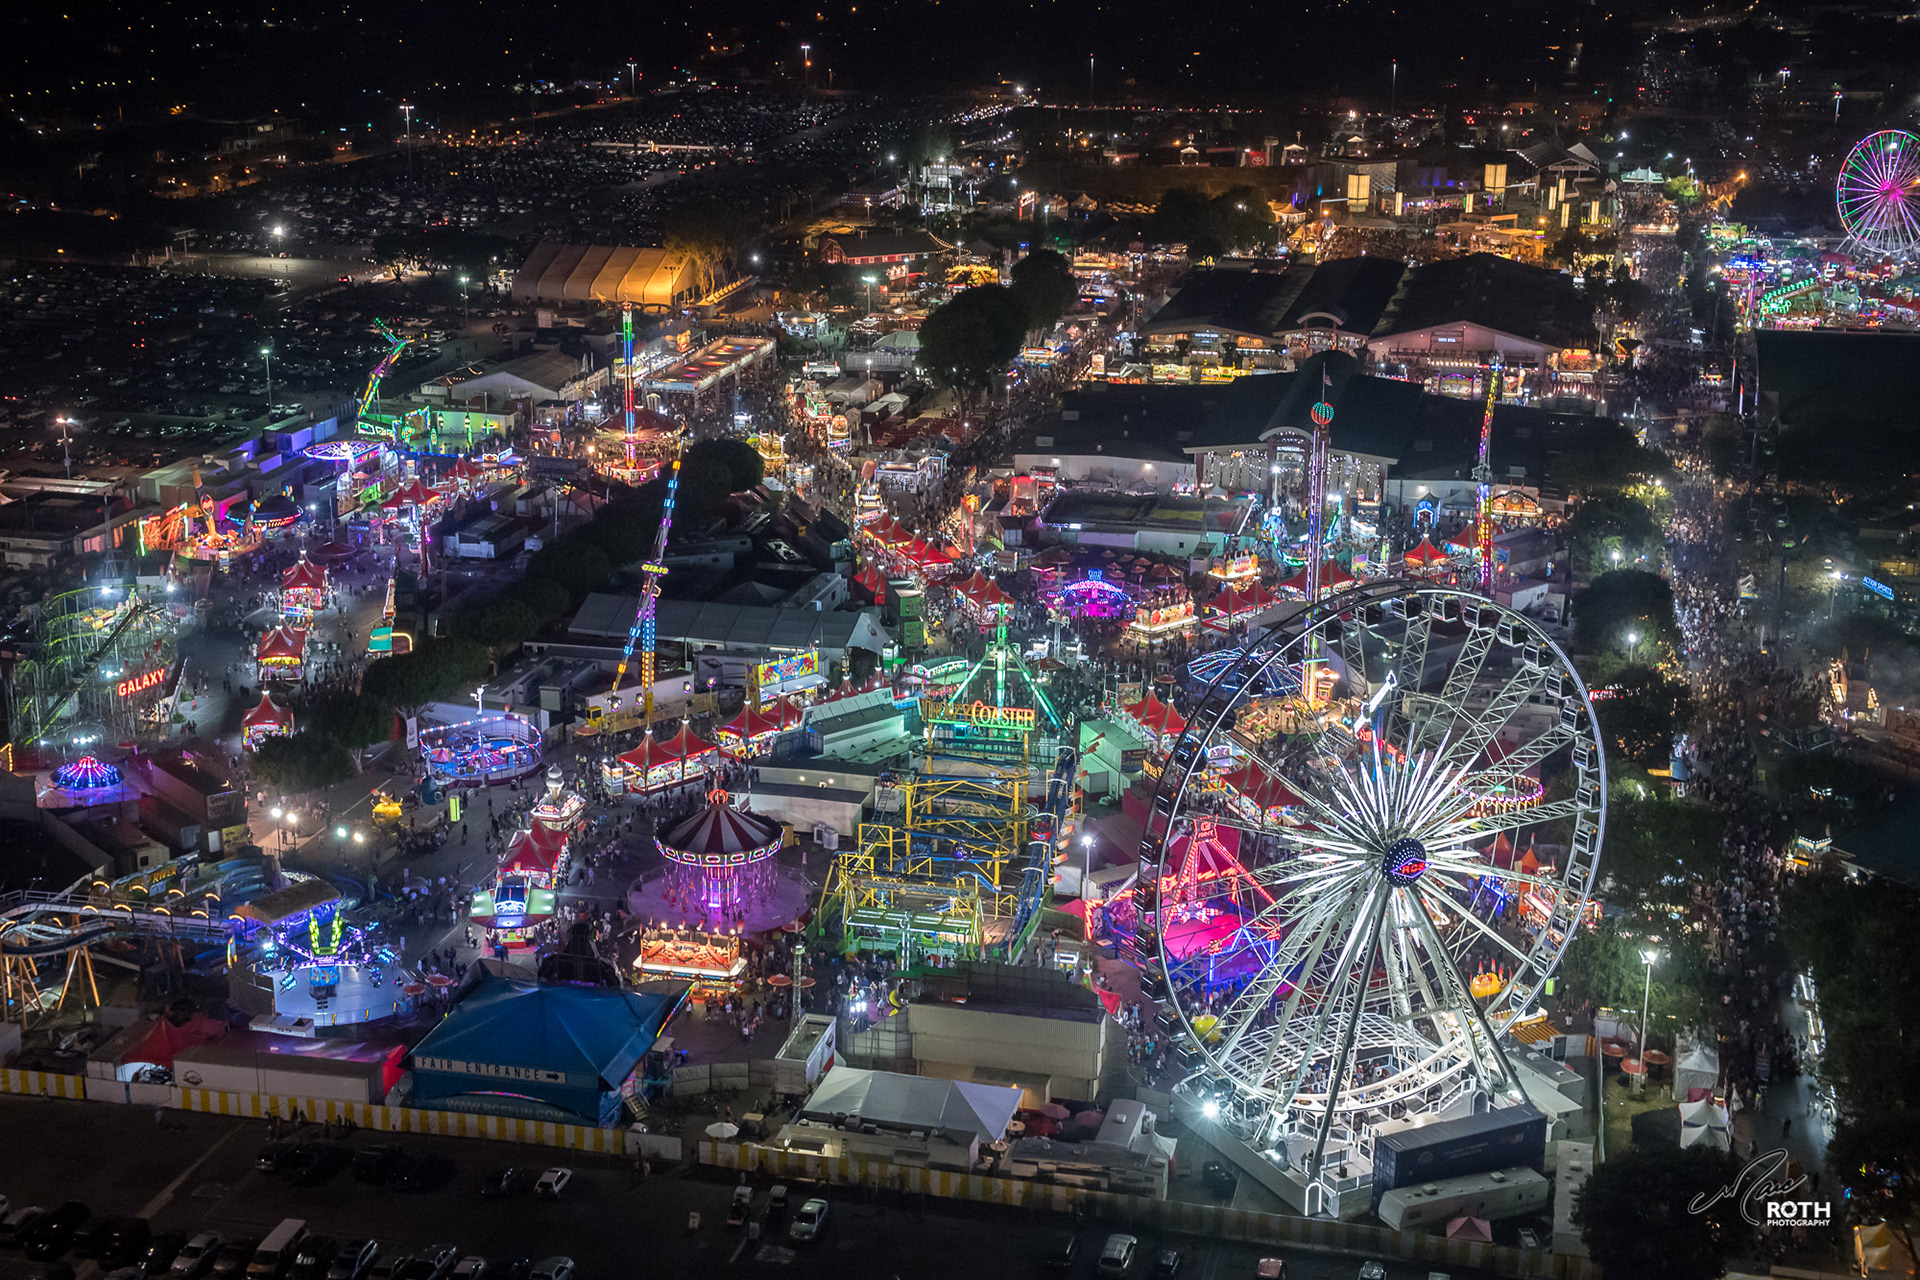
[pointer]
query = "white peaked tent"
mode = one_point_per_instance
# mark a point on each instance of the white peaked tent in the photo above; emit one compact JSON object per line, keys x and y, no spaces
{"x":1704,"y":1125}
{"x":926,"y":1103}
{"x":1877,"y":1253}
{"x":1698,"y":1068}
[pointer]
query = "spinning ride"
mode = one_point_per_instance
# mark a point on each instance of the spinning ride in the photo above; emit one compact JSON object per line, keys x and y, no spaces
{"x":481,"y":752}
{"x":1878,"y":193}
{"x":1320,"y":966}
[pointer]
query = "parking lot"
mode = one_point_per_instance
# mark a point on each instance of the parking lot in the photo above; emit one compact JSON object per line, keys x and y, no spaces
{"x":196,"y":1172}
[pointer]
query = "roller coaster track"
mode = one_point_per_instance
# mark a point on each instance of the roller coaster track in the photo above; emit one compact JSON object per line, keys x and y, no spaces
{"x":86,"y":669}
{"x":38,"y":925}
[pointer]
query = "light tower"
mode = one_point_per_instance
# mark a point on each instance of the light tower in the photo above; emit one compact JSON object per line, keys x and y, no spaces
{"x":1483,"y":476}
{"x":626,"y":342}
{"x":1322,"y":414}
{"x":643,"y":630}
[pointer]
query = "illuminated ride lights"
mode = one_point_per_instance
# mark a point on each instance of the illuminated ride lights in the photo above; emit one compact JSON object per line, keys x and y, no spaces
{"x":86,"y":774}
{"x":642,"y":632}
{"x":1503,"y":793}
{"x":1323,"y":979}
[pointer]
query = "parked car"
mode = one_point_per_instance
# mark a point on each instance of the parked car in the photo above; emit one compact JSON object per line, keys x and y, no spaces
{"x":1373,"y":1269}
{"x":198,"y":1254}
{"x":810,"y":1223}
{"x":740,"y":1208}
{"x":91,"y":1235}
{"x":274,"y":1156}
{"x":126,"y":1242}
{"x":161,"y":1251}
{"x":1221,"y":1178}
{"x":1167,"y":1263}
{"x":777,"y":1200}
{"x":419,"y":1173}
{"x":19,"y":1223}
{"x":552,"y":1269}
{"x":276,"y":1253}
{"x":312,"y":1259}
{"x":353,"y":1260}
{"x":375,"y":1164}
{"x":1271,"y":1269}
{"x":231,"y":1262}
{"x":1062,"y":1252}
{"x":316,"y":1164}
{"x":1116,"y":1255}
{"x":518,"y":1269}
{"x":471,"y":1267}
{"x":500,"y":1183}
{"x":389,"y":1266}
{"x":552,"y":1183}
{"x":53,"y":1234}
{"x":433,"y":1262}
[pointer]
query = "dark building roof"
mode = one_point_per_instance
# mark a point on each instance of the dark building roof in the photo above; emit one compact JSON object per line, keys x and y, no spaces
{"x":1230,"y":301}
{"x":1129,"y":421}
{"x":1352,"y":291}
{"x":1444,"y":442}
{"x":1370,"y":415}
{"x":906,"y":244}
{"x":1824,"y":378}
{"x":1498,"y":293}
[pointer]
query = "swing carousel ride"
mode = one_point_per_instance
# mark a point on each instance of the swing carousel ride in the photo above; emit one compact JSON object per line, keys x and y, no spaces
{"x":1326,"y":875}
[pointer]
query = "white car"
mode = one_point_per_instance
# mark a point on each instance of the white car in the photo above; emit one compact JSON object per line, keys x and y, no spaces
{"x":552,"y":1269}
{"x":1116,"y":1255}
{"x":552,"y":1183}
{"x":811,"y":1222}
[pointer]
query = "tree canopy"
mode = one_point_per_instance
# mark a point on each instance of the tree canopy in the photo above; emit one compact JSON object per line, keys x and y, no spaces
{"x":1604,"y":965}
{"x":436,"y":670}
{"x":1636,"y":1213}
{"x":1624,"y":602}
{"x":1656,"y":847}
{"x":966,"y":341}
{"x":1044,"y":288}
{"x":1611,"y":522}
{"x":301,"y":762}
{"x":1238,"y":220}
{"x":1646,"y":707}
{"x":1606,"y":458}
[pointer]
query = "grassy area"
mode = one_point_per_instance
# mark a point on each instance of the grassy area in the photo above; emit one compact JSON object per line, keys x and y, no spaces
{"x":1621,"y":1106}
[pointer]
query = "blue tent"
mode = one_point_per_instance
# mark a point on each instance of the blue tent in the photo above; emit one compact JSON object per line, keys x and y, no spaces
{"x":557,"y":1053}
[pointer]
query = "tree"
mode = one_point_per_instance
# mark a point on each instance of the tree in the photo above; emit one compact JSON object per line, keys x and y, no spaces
{"x":1656,"y":847}
{"x":1606,"y":459}
{"x":1645,"y":709}
{"x":574,"y":563}
{"x":738,"y":463}
{"x":500,"y":620}
{"x":356,"y":721}
{"x":1609,"y":523}
{"x":964,"y":343}
{"x":1637,"y":1213}
{"x":1604,"y":965}
{"x":438,"y":670}
{"x":1624,"y":602}
{"x":1044,"y":288}
{"x":301,"y":762}
{"x":547,"y":599}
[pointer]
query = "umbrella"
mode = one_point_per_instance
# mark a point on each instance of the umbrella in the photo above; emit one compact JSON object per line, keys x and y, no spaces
{"x":439,"y":980}
{"x":1054,"y":1111}
{"x":414,"y":989}
{"x":722,"y":1130}
{"x":806,"y":982}
{"x":780,"y":980}
{"x":1655,"y":1058}
{"x":1091,"y":1119}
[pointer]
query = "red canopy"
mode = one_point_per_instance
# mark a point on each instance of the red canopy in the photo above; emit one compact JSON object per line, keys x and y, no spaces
{"x":1260,"y":787}
{"x":889,"y":533}
{"x":533,"y":852}
{"x":328,"y":552}
{"x":464,"y":470}
{"x":410,"y":494}
{"x":1156,"y":716}
{"x":873,"y":580}
{"x":652,"y":752}
{"x":1426,"y":553}
{"x":1250,"y":599}
{"x":303,"y":576}
{"x":983,"y":591}
{"x":160,"y":1045}
{"x":1331,"y":575}
{"x":282,"y":642}
{"x":267,"y":713}
{"x":779,"y":716}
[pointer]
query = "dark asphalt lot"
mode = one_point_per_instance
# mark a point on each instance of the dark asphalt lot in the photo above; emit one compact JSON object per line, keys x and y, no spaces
{"x":196,"y":1173}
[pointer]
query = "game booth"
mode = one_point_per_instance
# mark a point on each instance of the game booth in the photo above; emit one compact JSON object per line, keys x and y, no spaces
{"x":281,"y":654}
{"x":267,"y":720}
{"x":303,"y":591}
{"x":660,"y":764}
{"x":524,"y":893}
{"x":481,"y":752}
{"x":752,"y":733}
{"x":721,"y":873}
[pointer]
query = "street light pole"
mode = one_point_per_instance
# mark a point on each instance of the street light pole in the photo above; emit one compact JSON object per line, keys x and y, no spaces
{"x":633,"y":87}
{"x":406,"y":109}
{"x":268,"y":353}
{"x":1647,"y":956}
{"x":1633,"y":646}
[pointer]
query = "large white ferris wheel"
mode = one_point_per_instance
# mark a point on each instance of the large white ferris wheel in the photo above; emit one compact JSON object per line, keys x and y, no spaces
{"x":1353,"y":882}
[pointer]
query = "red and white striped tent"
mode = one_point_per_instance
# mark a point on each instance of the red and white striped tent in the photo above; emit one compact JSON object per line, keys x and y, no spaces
{"x":1426,"y":555}
{"x":268,"y":720}
{"x":1154,"y":719}
{"x":748,"y":733}
{"x":304,"y":575}
{"x":282,"y":644}
{"x":533,"y":853}
{"x":1331,"y":576}
{"x":721,"y":831}
{"x":666,"y":762}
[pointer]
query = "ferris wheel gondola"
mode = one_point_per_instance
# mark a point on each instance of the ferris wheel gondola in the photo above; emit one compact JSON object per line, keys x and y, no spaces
{"x":1330,"y":950}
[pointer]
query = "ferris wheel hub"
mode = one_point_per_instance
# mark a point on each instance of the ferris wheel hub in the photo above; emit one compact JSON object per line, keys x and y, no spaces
{"x":1406,"y":861}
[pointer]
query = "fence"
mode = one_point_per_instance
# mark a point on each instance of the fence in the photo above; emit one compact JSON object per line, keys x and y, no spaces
{"x":1172,"y":1215}
{"x":374,"y":1119}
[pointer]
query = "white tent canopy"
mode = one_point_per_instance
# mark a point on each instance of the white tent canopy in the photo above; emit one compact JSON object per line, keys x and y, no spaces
{"x":1698,"y":1068}
{"x":1704,"y":1125}
{"x":927,"y":1103}
{"x":1877,"y":1252}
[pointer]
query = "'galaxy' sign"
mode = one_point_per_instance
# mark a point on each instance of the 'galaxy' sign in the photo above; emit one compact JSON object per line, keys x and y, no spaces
{"x":140,"y":684}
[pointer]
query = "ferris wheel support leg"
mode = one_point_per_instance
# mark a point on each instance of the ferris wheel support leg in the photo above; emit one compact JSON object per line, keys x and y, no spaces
{"x":1351,"y":1032}
{"x":1502,"y":1073}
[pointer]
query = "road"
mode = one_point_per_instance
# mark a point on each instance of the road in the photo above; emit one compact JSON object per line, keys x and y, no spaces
{"x":197,"y":1174}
